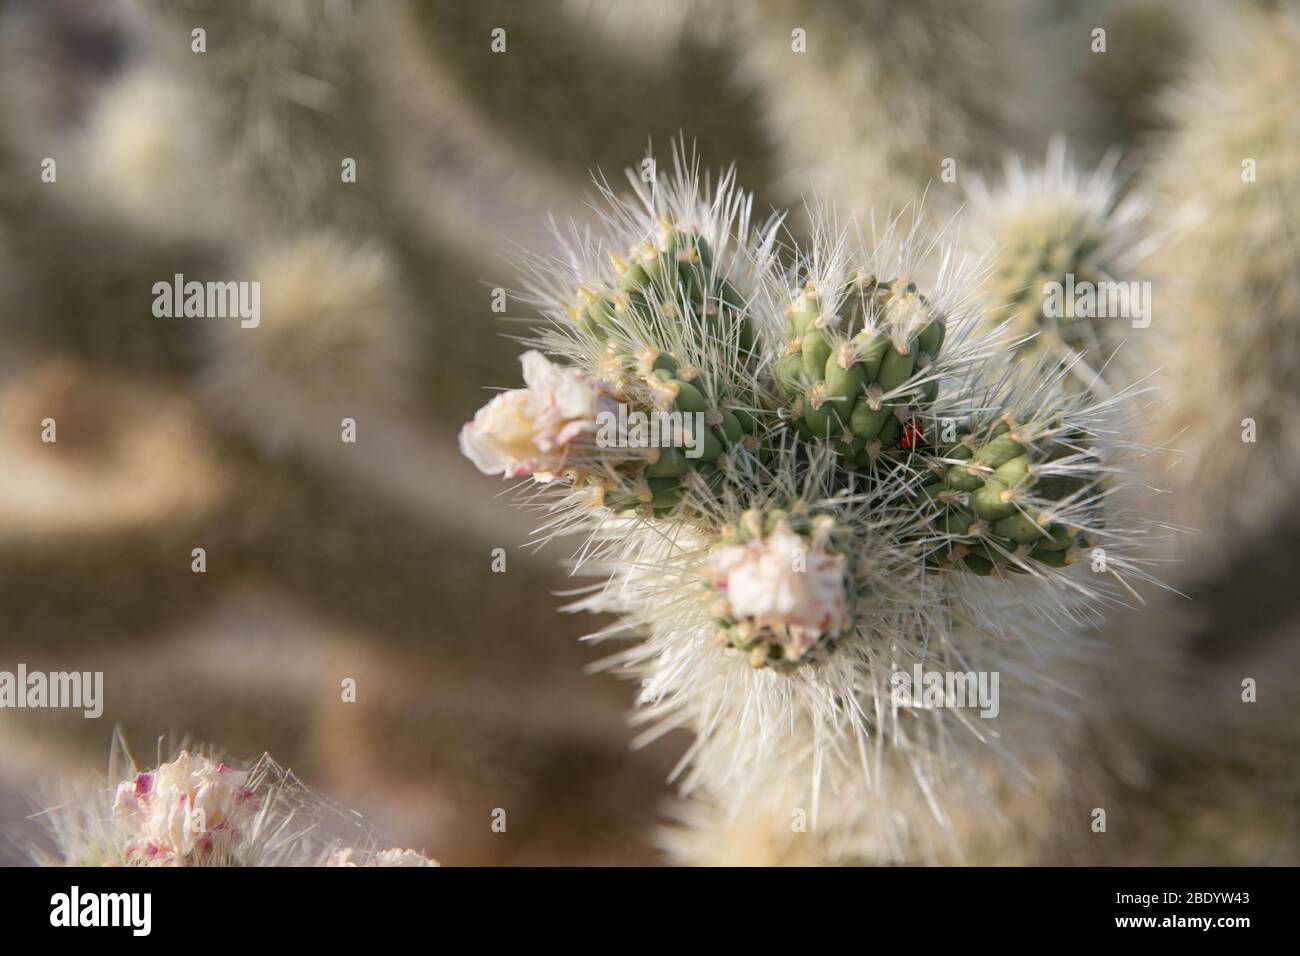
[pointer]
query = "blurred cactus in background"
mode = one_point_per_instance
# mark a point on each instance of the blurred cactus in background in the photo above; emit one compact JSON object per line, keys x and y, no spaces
{"x":1230,"y":200}
{"x":1148,"y":44}
{"x":864,"y":101}
{"x":1055,"y":231}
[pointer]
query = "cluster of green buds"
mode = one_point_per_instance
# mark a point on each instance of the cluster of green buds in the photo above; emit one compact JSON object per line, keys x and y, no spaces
{"x":670,"y":293}
{"x":859,"y":376}
{"x":726,"y":439}
{"x":673,"y":280}
{"x":778,"y":586}
{"x":999,"y":503}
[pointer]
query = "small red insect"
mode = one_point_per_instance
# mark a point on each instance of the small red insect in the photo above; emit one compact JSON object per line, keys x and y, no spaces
{"x":913,"y":434}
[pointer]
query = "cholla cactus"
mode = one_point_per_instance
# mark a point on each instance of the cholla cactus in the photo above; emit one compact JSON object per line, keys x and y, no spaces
{"x":1229,"y":193}
{"x":861,"y":340}
{"x":652,"y":316}
{"x":279,"y":79}
{"x":776,"y":588}
{"x":1033,"y":475}
{"x":149,"y":151}
{"x":334,"y":338}
{"x":1013,"y":489}
{"x":863,"y":100}
{"x":196,"y":809}
{"x":1052,"y":230}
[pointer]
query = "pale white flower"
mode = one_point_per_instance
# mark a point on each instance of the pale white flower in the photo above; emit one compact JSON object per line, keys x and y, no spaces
{"x":532,"y":430}
{"x":184,"y":810}
{"x":781,"y":584}
{"x":391,"y":857}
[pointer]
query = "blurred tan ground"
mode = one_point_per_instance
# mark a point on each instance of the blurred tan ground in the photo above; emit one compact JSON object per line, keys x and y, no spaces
{"x":471,"y":695}
{"x":325,"y":561}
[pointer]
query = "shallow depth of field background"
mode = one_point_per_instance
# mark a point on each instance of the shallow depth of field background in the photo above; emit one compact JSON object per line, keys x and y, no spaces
{"x":371,"y":561}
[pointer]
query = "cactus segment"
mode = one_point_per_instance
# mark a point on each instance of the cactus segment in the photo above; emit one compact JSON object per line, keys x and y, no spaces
{"x":659,"y":285}
{"x":854,"y":364}
{"x":992,"y":507}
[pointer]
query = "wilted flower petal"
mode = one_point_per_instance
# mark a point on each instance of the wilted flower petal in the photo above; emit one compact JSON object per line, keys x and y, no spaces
{"x":532,"y":430}
{"x":183,"y":810}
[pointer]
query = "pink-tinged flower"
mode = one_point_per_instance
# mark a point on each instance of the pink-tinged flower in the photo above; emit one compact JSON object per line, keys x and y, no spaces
{"x":533,"y":430}
{"x":183,"y":811}
{"x":780,"y":584}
